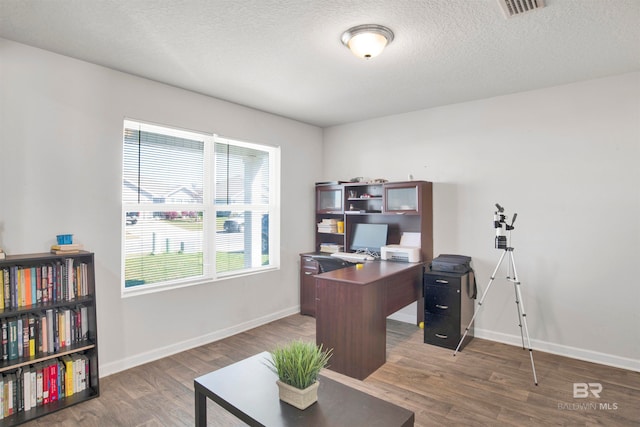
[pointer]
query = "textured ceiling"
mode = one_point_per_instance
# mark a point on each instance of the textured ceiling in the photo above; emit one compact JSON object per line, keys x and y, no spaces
{"x":285,"y":56}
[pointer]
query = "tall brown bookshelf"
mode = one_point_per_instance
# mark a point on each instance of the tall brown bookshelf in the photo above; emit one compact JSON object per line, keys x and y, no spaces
{"x":405,"y":206}
{"x":71,"y":303}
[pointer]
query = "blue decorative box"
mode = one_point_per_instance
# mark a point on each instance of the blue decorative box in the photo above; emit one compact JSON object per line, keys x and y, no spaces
{"x":65,"y":239}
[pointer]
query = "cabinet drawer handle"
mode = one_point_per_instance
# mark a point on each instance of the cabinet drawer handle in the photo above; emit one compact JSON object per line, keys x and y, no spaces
{"x":308,"y":273}
{"x":444,"y":337}
{"x":442,"y":307}
{"x":442,"y":281}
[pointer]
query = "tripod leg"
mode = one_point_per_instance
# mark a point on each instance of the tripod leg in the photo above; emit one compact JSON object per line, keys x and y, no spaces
{"x":515,"y":288}
{"x":523,"y":318}
{"x":484,"y":294}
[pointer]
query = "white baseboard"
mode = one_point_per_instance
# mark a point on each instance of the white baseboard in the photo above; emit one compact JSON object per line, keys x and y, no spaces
{"x":562,"y":350}
{"x":404,"y":317}
{"x":559,"y":349}
{"x":139,"y":359}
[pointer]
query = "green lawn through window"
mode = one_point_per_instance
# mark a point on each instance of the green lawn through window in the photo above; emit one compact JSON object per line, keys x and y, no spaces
{"x":147,"y":269}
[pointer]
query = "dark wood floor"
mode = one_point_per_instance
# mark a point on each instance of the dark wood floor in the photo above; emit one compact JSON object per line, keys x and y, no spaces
{"x":487,"y":384}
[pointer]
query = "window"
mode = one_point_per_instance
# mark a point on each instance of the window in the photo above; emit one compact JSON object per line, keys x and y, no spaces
{"x":196,"y":207}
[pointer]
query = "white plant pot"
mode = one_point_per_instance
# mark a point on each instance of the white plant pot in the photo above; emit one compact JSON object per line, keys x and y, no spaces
{"x":301,"y":399}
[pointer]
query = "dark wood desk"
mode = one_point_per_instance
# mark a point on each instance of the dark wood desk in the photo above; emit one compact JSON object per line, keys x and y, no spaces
{"x":248,"y":390}
{"x":351,"y":309}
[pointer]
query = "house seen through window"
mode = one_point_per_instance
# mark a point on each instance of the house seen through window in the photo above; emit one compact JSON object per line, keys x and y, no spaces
{"x":196,"y":207}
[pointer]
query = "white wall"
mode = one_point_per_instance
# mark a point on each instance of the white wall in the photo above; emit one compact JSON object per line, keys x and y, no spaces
{"x":566,"y":160}
{"x":60,"y":171}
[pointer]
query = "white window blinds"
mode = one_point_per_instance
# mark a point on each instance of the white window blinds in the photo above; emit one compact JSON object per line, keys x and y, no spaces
{"x":195,"y":207}
{"x":242,"y":191}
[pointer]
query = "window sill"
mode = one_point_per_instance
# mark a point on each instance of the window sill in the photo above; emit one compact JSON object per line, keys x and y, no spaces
{"x":151,"y":289}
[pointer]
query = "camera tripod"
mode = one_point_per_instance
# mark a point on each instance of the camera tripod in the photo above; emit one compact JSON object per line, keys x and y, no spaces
{"x":522,"y":317}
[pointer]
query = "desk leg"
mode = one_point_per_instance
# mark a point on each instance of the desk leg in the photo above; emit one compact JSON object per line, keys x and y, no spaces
{"x":201,"y":409}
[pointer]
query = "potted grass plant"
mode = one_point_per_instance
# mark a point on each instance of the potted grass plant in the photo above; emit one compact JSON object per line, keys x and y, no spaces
{"x":297,"y":365}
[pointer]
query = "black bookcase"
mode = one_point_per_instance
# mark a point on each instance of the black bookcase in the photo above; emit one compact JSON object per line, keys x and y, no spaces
{"x":69,"y":307}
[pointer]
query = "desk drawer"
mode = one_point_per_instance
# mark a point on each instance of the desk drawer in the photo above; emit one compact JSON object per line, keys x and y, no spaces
{"x":309,"y":266}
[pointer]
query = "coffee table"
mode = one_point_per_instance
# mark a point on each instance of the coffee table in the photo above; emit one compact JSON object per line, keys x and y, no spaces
{"x":248,"y":390}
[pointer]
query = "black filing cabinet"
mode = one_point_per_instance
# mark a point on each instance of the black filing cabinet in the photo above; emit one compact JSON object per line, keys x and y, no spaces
{"x":448,"y":308}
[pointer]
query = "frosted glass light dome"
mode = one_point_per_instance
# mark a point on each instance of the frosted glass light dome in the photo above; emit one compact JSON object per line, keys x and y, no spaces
{"x":367,"y":41}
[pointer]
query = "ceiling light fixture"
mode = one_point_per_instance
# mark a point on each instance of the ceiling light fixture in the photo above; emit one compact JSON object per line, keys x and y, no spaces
{"x":367,"y":41}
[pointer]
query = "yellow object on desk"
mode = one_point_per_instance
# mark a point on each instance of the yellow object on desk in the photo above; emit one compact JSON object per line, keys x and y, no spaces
{"x":359,"y":266}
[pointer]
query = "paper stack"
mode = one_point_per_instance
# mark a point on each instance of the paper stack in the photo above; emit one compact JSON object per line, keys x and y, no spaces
{"x":328,"y":225}
{"x":330,"y":248}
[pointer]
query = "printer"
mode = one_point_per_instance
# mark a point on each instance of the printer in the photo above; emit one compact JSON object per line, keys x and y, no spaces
{"x":407,"y":251}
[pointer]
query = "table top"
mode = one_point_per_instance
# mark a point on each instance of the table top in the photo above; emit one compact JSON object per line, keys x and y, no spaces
{"x":248,"y":390}
{"x":369,"y":272}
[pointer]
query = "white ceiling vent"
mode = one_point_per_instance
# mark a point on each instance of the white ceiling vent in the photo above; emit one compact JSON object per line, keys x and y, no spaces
{"x":518,"y":7}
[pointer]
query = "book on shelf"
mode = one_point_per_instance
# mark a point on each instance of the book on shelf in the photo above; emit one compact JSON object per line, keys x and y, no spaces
{"x":19,"y":329}
{"x":68,"y":247}
{"x":43,"y":333}
{"x":10,"y":394}
{"x":49,"y":331}
{"x":25,"y":336}
{"x":69,"y":388}
{"x":41,"y":383}
{"x":1,"y":396}
{"x":45,"y":384}
{"x":12,"y":331}
{"x":71,"y":248}
{"x":5,"y":340}
{"x":53,"y":381}
{"x":38,"y":369}
{"x":65,"y":280}
{"x":26,"y":388}
{"x":2,"y":291}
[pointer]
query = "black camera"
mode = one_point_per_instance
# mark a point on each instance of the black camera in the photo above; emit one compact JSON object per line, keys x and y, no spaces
{"x":500,"y":219}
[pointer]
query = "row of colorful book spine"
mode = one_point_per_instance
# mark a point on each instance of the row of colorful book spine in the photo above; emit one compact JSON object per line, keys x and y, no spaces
{"x":43,"y":383}
{"x":26,"y":286}
{"x":43,"y":333}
